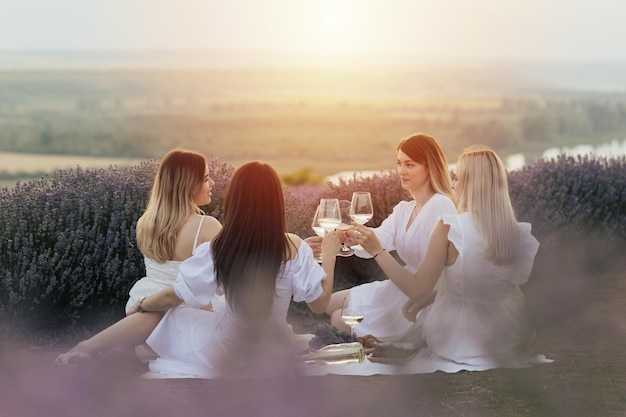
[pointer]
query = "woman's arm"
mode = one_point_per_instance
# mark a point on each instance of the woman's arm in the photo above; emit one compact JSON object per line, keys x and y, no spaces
{"x":315,"y":243}
{"x":411,"y":308}
{"x":161,"y":301}
{"x":330,"y":246}
{"x":418,"y":286}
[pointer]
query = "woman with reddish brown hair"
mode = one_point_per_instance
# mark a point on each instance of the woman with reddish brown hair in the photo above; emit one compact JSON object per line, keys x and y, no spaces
{"x":424,"y":173}
{"x":479,"y":257}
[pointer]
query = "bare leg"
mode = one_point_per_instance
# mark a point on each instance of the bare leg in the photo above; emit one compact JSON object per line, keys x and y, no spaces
{"x":336,"y":321}
{"x":336,"y":301}
{"x":334,"y":310}
{"x":130,"y":331}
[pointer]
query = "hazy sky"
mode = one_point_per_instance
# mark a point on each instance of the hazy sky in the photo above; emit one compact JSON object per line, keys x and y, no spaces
{"x":585,"y":30}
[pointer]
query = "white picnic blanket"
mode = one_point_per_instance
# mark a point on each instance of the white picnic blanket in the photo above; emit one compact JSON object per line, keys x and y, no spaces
{"x":425,"y":361}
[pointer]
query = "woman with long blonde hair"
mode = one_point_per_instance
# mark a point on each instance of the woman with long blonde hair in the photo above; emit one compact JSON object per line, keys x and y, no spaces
{"x":167,"y":233}
{"x":478,"y":259}
{"x":487,"y":197}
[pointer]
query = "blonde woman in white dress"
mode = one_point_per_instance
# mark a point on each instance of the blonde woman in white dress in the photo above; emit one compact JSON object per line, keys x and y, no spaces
{"x":478,"y":259}
{"x":167,"y":233}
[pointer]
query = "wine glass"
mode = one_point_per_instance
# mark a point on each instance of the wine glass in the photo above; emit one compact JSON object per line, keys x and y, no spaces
{"x":329,"y":215}
{"x":319,"y":230}
{"x":361,"y":209}
{"x":351,"y":316}
{"x":344,"y":207}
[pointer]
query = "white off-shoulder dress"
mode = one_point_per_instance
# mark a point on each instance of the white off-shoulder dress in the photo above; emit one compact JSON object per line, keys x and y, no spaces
{"x":158,"y":275}
{"x":194,"y":343}
{"x":381,"y":301}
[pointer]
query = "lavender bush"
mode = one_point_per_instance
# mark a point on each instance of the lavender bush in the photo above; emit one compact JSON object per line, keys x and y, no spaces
{"x":573,"y":197}
{"x":68,"y":253}
{"x":68,"y":247}
{"x":385,"y":189}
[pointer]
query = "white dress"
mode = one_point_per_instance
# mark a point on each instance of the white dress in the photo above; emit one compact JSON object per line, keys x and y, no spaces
{"x":381,"y":301}
{"x":479,"y":315}
{"x":478,"y":320}
{"x":158,"y":275}
{"x":193,"y":343}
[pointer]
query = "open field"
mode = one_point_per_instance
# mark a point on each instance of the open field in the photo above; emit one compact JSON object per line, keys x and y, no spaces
{"x":326,"y":121}
{"x":15,"y":162}
{"x":26,"y":166}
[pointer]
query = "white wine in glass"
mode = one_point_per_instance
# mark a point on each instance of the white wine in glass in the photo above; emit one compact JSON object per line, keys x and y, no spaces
{"x":319,"y":230}
{"x":361,"y":208}
{"x":350,"y":316}
{"x":344,"y":207}
{"x":315,"y":225}
{"x":329,"y":215}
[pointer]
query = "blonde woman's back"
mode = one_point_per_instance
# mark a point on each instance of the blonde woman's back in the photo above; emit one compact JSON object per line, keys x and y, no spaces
{"x":186,"y":237}
{"x":162,"y":274}
{"x":479,"y":315}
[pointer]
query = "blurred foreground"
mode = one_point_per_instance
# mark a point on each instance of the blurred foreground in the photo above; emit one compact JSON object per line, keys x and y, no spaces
{"x":578,"y":308}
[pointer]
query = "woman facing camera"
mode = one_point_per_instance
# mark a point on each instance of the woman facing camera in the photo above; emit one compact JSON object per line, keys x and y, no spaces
{"x":478,"y":259}
{"x":424,"y":173}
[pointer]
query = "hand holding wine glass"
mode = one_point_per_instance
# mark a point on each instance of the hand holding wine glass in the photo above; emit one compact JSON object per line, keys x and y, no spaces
{"x":344,"y":207}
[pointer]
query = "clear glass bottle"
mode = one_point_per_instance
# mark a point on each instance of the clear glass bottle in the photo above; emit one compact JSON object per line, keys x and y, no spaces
{"x":337,"y":354}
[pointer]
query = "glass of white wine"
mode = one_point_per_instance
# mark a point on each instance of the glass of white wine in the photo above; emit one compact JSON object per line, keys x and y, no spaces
{"x":361,"y":209}
{"x":351,"y":316}
{"x":317,"y":228}
{"x":344,"y":207}
{"x":329,"y":215}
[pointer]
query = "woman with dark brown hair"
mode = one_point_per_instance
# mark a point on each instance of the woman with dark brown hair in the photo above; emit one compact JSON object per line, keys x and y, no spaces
{"x":259,"y":267}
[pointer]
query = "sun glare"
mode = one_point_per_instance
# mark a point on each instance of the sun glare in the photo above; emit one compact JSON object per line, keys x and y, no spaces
{"x":334,"y":28}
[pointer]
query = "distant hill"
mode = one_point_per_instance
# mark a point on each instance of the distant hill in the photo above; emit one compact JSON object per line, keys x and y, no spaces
{"x":588,"y":76}
{"x":583,"y":76}
{"x":138,"y":59}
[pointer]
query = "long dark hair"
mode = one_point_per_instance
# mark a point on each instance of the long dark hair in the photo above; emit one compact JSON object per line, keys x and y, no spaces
{"x":252,"y":246}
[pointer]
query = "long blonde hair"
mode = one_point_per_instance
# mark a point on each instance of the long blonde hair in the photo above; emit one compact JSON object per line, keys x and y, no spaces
{"x":181,"y":173}
{"x":482,"y":189}
{"x":425,"y":150}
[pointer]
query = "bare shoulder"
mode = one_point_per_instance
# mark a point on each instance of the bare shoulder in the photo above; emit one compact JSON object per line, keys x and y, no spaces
{"x":211,"y":222}
{"x":294,"y":239}
{"x":210,"y":228}
{"x":295,"y":242}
